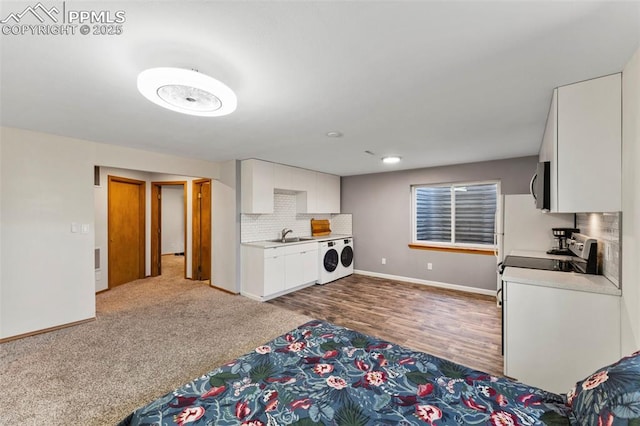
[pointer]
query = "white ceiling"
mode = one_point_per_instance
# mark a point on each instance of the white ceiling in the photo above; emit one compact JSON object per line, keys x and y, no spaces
{"x":434,"y":82}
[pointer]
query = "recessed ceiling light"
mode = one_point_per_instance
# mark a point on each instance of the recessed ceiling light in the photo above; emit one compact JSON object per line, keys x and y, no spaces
{"x":391,"y":160}
{"x":187,"y":91}
{"x":334,"y":134}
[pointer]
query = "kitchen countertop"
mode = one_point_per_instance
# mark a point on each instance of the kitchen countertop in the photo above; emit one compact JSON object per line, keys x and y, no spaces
{"x":562,"y":280}
{"x":272,"y":244}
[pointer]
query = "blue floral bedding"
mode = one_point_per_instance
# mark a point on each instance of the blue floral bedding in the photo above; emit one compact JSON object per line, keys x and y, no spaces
{"x":323,"y":374}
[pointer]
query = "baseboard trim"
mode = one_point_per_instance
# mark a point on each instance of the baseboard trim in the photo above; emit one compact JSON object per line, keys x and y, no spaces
{"x":224,"y":290}
{"x":438,"y":284}
{"x":102,"y":291}
{"x":46,"y":330}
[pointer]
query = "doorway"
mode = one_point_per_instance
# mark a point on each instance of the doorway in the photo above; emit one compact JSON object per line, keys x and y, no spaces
{"x":201,"y":226}
{"x":158,"y":223}
{"x":125,"y":229}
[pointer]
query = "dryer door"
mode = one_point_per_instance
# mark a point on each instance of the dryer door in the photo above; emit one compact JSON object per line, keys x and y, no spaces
{"x":346,"y":257}
{"x":330,"y":261}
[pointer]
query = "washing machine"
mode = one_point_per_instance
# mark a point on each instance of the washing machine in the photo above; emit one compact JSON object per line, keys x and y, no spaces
{"x":345,"y":268}
{"x":329,"y":252}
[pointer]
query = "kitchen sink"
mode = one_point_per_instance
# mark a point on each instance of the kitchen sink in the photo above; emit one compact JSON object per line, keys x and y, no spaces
{"x":291,"y":240}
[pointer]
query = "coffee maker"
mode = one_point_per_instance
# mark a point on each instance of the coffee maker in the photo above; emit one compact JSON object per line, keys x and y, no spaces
{"x":561,"y":246}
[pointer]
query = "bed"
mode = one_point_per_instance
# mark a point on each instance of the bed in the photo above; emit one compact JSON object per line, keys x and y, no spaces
{"x":323,"y":374}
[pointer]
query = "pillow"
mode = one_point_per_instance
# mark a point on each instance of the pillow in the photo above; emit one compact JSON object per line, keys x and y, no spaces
{"x":610,"y":396}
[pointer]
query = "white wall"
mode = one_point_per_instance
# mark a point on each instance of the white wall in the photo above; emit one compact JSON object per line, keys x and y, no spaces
{"x":172,"y":220}
{"x":631,"y":205}
{"x":47,"y":276}
{"x":1,"y":235}
{"x":225,"y":227}
{"x":46,"y":183}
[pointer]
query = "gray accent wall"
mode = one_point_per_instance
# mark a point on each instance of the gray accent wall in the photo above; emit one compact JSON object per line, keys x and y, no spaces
{"x":381,"y":208}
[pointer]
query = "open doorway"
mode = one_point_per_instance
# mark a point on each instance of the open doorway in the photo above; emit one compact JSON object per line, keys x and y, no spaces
{"x":169,"y":228}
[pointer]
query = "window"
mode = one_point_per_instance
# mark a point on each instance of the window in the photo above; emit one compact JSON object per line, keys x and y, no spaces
{"x":461,"y":215}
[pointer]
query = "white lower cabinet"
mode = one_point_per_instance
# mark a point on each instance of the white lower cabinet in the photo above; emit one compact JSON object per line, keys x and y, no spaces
{"x":556,"y":337}
{"x":272,"y":272}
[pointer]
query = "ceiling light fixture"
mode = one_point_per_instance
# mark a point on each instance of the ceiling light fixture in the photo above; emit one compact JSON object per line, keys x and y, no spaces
{"x":391,"y":160}
{"x":334,"y":134}
{"x":187,"y":91}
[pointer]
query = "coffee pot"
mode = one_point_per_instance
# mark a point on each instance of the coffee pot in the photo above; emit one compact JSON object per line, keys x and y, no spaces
{"x":561,"y":235}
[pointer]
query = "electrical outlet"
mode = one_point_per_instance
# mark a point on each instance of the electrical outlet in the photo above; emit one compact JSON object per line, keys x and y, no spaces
{"x":430,"y":266}
{"x":384,"y":260}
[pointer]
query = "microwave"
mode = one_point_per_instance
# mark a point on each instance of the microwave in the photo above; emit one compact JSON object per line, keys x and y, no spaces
{"x":540,"y":186}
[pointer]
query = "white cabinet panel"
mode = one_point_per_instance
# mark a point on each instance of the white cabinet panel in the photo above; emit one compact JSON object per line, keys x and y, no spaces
{"x":290,"y":178}
{"x":589,"y":145}
{"x":328,"y":193}
{"x":274,"y":274}
{"x":257,"y":186}
{"x":293,"y":270}
{"x":555,"y":337}
{"x":310,"y":265}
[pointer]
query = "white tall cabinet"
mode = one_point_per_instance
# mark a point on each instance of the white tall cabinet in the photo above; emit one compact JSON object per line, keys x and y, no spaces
{"x":583,"y":142}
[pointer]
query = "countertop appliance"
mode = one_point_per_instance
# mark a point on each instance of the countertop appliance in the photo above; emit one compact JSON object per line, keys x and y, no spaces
{"x":562,"y":236}
{"x":584,"y":260}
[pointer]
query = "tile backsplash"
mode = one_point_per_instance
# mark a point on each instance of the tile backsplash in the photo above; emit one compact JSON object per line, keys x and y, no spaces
{"x":606,"y":228}
{"x":258,"y":227}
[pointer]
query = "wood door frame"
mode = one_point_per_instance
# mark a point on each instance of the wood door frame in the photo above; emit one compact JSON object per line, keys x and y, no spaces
{"x":142,"y":190}
{"x":194,"y":197}
{"x":156,"y":222}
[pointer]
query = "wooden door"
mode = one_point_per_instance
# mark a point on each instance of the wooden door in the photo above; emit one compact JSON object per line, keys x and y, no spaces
{"x":201,"y":254}
{"x":156,"y":229}
{"x":126,"y":205}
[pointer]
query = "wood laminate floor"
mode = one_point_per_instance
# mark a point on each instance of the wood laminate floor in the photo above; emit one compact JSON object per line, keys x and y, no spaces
{"x":462,"y":327}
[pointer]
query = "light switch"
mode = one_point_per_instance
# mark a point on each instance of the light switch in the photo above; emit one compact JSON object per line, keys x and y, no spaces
{"x":74,"y":227}
{"x":85,"y":228}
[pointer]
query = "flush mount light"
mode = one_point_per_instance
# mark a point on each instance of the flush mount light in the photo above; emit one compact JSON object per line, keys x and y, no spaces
{"x":390,"y":160}
{"x":187,"y":91}
{"x":334,"y":134}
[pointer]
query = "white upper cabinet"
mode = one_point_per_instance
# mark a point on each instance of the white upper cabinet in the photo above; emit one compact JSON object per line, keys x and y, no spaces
{"x":290,"y":178}
{"x":328,"y":198}
{"x":257,"y":186}
{"x":316,"y":192}
{"x":583,"y":142}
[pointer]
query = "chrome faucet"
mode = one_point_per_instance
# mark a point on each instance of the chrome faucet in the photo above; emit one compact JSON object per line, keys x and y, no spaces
{"x":285,"y":231}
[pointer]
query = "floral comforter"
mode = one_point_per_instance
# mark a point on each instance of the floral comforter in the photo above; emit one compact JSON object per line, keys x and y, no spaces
{"x":323,"y":374}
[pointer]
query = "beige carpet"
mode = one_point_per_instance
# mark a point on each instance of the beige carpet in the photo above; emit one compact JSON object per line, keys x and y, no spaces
{"x":150,"y":337}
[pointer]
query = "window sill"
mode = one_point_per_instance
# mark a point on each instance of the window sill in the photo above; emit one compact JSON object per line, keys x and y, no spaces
{"x":452,"y":249}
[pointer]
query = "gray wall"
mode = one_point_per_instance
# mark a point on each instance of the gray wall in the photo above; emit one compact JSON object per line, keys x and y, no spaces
{"x":381,"y":208}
